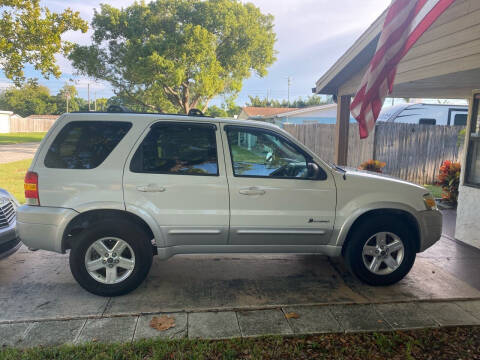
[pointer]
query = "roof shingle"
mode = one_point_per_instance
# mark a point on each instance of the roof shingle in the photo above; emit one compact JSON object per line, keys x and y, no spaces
{"x":265,"y":111}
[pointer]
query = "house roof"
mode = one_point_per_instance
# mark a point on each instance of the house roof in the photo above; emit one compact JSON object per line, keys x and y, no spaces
{"x":306,"y":110}
{"x":443,"y":63}
{"x":265,"y":111}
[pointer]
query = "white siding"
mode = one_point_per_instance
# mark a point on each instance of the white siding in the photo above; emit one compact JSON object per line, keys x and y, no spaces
{"x":468,"y":226}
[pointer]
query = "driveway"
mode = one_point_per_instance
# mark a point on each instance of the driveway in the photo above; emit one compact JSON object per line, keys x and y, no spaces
{"x":38,"y":285}
{"x":16,"y":152}
{"x":215,"y":296}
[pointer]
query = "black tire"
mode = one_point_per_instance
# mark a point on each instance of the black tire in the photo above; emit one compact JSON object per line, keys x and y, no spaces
{"x":133,"y":235}
{"x":362,"y":233}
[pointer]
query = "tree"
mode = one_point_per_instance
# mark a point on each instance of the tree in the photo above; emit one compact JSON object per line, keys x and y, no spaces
{"x":30,"y":34}
{"x":29,"y":99}
{"x":313,"y":100}
{"x":177,"y":54}
{"x":216,"y":111}
{"x":67,"y":92}
{"x":101,"y":104}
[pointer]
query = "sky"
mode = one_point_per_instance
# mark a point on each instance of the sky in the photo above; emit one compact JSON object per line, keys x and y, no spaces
{"x":311,"y":36}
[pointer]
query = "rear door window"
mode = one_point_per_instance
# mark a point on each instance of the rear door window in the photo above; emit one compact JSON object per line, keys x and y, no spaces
{"x":85,"y":144}
{"x":178,"y":149}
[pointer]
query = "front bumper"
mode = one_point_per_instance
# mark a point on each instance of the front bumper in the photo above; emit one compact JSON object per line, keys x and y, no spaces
{"x":430,"y":222}
{"x":9,"y":241}
{"x":42,"y":227}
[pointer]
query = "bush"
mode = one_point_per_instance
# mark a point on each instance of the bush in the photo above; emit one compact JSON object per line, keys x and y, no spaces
{"x":372,"y":165}
{"x":449,"y":180}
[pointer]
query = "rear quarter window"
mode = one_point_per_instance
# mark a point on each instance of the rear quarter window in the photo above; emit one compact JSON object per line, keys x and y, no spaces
{"x":85,"y":144}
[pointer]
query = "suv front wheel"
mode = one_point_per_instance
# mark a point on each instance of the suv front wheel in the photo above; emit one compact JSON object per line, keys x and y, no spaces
{"x":111,"y":258}
{"x":381,"y":250}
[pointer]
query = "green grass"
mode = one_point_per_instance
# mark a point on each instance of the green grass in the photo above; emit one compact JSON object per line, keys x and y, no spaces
{"x":435,"y":190}
{"x":17,"y":138}
{"x":11,"y":177}
{"x":438,"y":344}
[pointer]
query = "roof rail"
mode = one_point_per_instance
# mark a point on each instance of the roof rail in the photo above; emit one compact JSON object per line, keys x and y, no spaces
{"x":123,"y":109}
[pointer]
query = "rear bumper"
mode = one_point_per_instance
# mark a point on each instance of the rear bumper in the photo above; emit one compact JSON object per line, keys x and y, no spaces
{"x":41,"y":227}
{"x":430,"y":222}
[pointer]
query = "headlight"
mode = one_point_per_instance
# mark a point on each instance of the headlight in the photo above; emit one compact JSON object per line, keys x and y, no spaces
{"x":430,"y":202}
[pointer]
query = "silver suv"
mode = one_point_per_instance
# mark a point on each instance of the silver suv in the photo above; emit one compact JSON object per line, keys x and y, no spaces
{"x":117,"y":188}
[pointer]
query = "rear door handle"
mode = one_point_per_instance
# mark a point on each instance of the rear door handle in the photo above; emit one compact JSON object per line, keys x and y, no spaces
{"x":151,"y":188}
{"x":252,"y":191}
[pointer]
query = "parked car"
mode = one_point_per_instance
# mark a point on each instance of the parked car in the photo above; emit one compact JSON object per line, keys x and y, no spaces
{"x":117,"y":189}
{"x":9,"y":241}
{"x":425,"y":114}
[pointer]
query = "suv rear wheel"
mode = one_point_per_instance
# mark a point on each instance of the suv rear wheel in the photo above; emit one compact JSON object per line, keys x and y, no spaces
{"x":111,"y":258}
{"x":381,"y":250}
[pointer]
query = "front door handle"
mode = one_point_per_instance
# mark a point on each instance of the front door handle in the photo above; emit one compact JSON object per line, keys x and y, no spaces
{"x":151,"y":188}
{"x":252,"y":191}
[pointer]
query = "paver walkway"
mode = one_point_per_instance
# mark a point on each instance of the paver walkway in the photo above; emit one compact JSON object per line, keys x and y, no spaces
{"x":231,"y":324}
{"x":16,"y":152}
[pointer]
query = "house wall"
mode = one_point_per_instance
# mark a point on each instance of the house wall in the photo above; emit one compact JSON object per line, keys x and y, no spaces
{"x":4,"y":123}
{"x":321,"y":116}
{"x":468,"y":224}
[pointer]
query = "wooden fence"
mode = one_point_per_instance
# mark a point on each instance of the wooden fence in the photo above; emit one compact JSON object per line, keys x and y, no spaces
{"x":30,"y":124}
{"x":412,"y":152}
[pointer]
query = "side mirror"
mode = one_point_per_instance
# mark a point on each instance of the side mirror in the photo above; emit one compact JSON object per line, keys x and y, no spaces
{"x":313,"y":171}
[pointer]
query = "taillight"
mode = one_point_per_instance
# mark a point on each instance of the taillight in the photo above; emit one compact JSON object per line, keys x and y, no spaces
{"x":31,"y":188}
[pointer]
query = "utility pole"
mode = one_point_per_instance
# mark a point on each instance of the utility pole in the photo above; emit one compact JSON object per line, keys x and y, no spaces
{"x":95,"y":101}
{"x":88,"y":91}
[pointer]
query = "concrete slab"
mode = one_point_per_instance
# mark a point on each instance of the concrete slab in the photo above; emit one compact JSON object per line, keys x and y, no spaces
{"x":12,"y":334}
{"x":472,"y":307}
{"x":359,"y":318}
{"x":448,"y":314}
{"x":405,"y":316}
{"x":108,"y":330}
{"x":16,"y":152}
{"x":213,"y":325}
{"x":263,"y":322}
{"x":313,"y":320}
{"x":53,"y":333}
{"x":425,"y":281}
{"x":39,"y":285}
{"x":145,"y":331}
{"x":196,"y":282}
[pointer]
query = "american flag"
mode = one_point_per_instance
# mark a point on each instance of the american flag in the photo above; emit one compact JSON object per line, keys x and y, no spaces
{"x":405,"y":22}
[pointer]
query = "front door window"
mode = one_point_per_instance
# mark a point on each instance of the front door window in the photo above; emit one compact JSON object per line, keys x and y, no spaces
{"x":260,"y":153}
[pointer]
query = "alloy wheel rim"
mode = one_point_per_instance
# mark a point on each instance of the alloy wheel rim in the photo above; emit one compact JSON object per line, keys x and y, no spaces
{"x":383,"y":253}
{"x":109,"y":260}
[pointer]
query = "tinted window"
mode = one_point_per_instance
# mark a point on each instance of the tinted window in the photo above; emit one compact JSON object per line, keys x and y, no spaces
{"x":85,"y":144}
{"x":264,"y":154}
{"x":460,"y":120}
{"x":175,"y":148}
{"x":427,"y":121}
